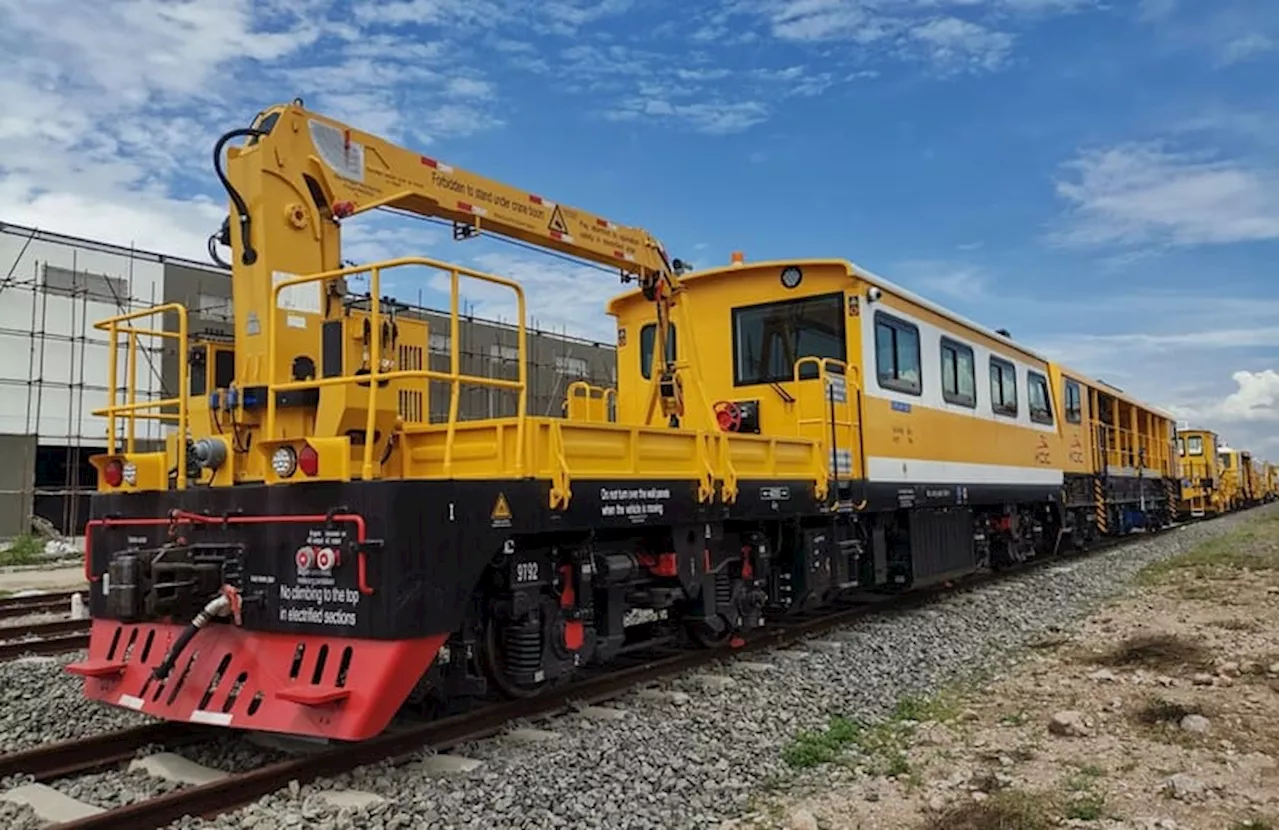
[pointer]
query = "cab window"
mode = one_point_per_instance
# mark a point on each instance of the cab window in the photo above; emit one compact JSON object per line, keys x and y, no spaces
{"x":958,"y":384}
{"x":648,"y":335}
{"x":769,"y":338}
{"x":1004,"y":387}
{"x":1038,"y":398}
{"x":1226,"y":460}
{"x":1071,"y":394}
{"x":897,"y":354}
{"x":1195,"y":445}
{"x":1182,"y":449}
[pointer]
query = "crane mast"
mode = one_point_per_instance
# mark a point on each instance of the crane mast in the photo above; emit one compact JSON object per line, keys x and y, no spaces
{"x":299,"y":174}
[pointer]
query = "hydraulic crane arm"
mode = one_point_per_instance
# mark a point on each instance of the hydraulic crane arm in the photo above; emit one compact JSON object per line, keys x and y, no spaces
{"x":300,"y":173}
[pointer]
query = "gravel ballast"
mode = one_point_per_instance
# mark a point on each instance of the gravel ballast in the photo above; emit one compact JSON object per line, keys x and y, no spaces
{"x":663,"y":764}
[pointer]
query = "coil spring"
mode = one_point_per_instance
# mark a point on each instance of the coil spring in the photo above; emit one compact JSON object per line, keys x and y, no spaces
{"x":522,"y":648}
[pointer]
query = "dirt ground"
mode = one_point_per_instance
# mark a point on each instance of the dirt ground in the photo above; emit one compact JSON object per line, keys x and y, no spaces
{"x":1159,"y":711}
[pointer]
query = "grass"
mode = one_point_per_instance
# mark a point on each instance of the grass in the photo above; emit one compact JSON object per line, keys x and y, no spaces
{"x":1005,"y":810}
{"x":24,"y":550}
{"x":883,"y":743}
{"x":1252,"y":546}
{"x":1253,"y":824}
{"x":1083,"y":802}
{"x":809,"y":749}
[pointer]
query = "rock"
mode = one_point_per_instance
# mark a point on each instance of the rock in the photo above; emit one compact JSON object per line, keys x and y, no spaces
{"x":1274,"y":668}
{"x":1069,"y":724}
{"x":1165,"y":680}
{"x":1229,"y":669}
{"x":1183,"y":787}
{"x":937,"y":804}
{"x":1194,"y":723}
{"x":801,"y":819}
{"x":1103,"y":676}
{"x":978,"y":796}
{"x":1202,"y":679}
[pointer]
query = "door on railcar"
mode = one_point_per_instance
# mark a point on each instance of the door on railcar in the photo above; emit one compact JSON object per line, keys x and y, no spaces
{"x":797,"y":348}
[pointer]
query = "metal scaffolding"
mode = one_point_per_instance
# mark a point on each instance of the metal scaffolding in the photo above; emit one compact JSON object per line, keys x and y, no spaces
{"x":56,"y":478}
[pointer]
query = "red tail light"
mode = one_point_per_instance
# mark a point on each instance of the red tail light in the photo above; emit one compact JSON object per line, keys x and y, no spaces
{"x":113,"y":472}
{"x":309,"y":460}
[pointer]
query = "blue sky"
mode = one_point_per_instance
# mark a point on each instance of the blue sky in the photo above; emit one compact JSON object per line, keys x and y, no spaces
{"x":1098,"y":177}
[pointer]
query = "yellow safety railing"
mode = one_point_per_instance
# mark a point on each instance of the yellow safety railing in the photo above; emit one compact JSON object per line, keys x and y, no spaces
{"x":133,"y":409}
{"x":453,"y":377}
{"x":584,"y":402}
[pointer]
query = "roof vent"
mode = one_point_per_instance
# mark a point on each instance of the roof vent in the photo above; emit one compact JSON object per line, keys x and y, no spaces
{"x":1004,"y":333}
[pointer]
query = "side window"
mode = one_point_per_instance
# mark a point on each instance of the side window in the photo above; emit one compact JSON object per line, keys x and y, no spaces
{"x":1195,"y":445}
{"x":897,"y":354}
{"x":1004,"y":388}
{"x":1182,"y":449}
{"x":649,"y":334}
{"x":1038,"y":403}
{"x":958,"y":383}
{"x":1071,"y":391}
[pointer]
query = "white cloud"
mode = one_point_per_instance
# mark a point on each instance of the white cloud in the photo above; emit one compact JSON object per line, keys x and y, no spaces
{"x":932,"y":278}
{"x":1141,"y":193}
{"x":1245,"y":47}
{"x":1247,"y":418}
{"x":714,"y":117}
{"x":953,"y":44}
{"x":932,"y":32}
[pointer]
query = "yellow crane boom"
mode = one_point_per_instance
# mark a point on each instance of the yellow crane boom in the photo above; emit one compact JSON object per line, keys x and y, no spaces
{"x":299,"y":174}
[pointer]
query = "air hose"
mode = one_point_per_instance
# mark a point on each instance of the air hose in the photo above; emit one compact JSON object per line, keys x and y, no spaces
{"x":226,"y":604}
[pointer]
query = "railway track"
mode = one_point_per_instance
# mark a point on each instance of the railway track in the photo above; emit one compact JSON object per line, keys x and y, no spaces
{"x":240,"y":789}
{"x":36,"y":604}
{"x":44,"y":637}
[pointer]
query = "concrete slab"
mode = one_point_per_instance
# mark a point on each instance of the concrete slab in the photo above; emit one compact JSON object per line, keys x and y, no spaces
{"x":714,"y":682}
{"x":533,"y":736}
{"x":172,"y":767}
{"x":359,"y":799}
{"x":663,"y":696}
{"x":448,"y":764}
{"x":43,"y":579}
{"x":49,"y":804}
{"x":602,"y":713}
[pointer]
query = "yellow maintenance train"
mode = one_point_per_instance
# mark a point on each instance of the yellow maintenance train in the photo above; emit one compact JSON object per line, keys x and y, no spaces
{"x":311,"y":550}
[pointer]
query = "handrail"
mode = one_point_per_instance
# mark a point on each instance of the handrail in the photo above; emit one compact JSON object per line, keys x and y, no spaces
{"x":132,"y":408}
{"x":453,"y":377}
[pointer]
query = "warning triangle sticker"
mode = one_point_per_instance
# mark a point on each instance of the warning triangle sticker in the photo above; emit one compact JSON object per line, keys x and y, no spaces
{"x":557,"y":221}
{"x":501,"y":510}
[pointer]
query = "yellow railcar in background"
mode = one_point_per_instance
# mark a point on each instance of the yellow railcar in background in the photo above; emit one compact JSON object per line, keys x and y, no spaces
{"x":1202,"y":474}
{"x":1271,"y":482}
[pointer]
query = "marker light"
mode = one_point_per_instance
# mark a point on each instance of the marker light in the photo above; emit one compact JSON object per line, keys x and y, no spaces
{"x":309,"y":460}
{"x":284,"y":461}
{"x":113,"y":472}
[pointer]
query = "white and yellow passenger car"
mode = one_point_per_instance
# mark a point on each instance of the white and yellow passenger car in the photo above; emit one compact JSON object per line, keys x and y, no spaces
{"x":937,"y":428}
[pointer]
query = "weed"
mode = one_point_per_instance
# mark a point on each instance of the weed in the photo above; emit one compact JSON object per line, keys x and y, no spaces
{"x":919,"y":708}
{"x":897,"y":765}
{"x":1253,"y":824}
{"x":1158,"y":710}
{"x":1007,"y":810}
{"x":23,"y":550}
{"x":809,"y":749}
{"x":1154,"y":651}
{"x":1017,"y":718}
{"x":1236,"y":624}
{"x":1087,"y":806}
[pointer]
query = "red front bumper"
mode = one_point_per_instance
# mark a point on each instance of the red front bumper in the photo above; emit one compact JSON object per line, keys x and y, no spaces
{"x":299,"y":684}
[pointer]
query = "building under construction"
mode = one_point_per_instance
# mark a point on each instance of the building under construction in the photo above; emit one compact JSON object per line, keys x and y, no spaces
{"x":53,"y":288}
